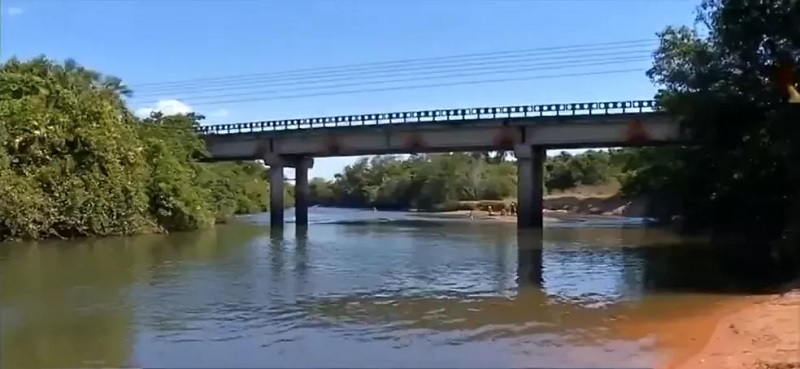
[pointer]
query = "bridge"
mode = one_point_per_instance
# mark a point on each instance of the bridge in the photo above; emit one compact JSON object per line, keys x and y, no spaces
{"x":528,"y":130}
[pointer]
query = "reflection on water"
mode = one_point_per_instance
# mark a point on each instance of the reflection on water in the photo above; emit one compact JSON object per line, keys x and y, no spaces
{"x":351,"y":290}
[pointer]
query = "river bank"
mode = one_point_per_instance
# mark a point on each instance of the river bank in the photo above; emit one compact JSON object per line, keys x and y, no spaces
{"x":586,"y":203}
{"x":482,"y":215}
{"x":754,"y":333}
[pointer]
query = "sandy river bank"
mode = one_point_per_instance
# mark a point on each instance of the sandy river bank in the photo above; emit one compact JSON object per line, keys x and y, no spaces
{"x":480,"y":215}
{"x":588,"y":201}
{"x":754,"y":333}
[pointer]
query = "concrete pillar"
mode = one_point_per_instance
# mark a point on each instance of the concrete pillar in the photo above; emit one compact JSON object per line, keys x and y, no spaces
{"x":276,"y":194}
{"x":530,"y":185}
{"x":530,"y":251}
{"x":302,"y":195}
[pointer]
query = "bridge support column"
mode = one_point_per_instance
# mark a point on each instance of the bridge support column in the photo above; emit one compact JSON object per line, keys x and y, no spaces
{"x":276,"y":182}
{"x":302,"y":195}
{"x":530,"y":186}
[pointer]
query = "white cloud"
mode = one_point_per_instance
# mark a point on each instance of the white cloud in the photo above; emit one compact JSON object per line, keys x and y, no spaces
{"x":220,"y":113}
{"x":166,"y":107}
{"x":14,"y":10}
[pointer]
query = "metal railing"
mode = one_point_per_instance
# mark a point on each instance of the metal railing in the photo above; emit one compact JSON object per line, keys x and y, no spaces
{"x":440,"y":115}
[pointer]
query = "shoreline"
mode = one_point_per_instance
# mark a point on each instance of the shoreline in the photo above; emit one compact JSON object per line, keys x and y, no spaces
{"x":585,"y":203}
{"x":483,"y":216}
{"x":755,"y":332}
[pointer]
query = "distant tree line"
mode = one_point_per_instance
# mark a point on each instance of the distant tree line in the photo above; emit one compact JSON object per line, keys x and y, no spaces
{"x":442,"y":181}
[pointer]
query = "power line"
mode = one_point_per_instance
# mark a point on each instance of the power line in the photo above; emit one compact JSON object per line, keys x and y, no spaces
{"x":393,"y":72}
{"x":362,"y":73}
{"x":491,"y":71}
{"x":362,"y":66}
{"x":431,"y":68}
{"x":311,"y":1}
{"x":413,"y":87}
{"x":244,"y":98}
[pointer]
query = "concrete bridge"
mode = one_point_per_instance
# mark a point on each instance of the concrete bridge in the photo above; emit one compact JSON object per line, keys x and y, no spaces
{"x":528,"y":130}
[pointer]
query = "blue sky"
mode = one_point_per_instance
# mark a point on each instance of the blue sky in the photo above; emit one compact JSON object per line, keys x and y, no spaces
{"x":152,"y":41}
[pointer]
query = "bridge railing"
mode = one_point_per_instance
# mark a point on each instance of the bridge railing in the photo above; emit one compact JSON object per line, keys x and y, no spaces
{"x":439,"y":115}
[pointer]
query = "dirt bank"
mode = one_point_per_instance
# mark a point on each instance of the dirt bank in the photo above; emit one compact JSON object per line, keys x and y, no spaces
{"x":597,"y":205}
{"x":597,"y":200}
{"x":556,"y":206}
{"x":477,"y":215}
{"x":601,"y":200}
{"x":762,"y":333}
{"x":481,"y":216}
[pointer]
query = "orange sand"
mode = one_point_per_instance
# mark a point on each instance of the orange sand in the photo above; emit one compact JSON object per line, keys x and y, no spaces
{"x":752,"y":333}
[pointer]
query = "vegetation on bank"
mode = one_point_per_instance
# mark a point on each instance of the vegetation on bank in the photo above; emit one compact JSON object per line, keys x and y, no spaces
{"x":721,"y":78}
{"x":453,"y":181}
{"x":74,"y":161}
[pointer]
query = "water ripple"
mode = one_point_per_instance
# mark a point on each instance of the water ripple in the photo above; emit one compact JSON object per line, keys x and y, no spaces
{"x":355,"y":289}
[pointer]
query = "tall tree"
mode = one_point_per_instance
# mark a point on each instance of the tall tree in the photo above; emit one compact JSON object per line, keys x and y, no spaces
{"x":741,"y":179}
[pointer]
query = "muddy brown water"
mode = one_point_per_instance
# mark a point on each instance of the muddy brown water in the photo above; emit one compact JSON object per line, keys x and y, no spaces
{"x":355,"y":289}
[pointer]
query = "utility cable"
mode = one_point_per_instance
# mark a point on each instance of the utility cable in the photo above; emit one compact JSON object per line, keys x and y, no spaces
{"x":491,"y":71}
{"x":270,"y":95}
{"x":397,"y":72}
{"x":406,"y":62}
{"x":413,"y":87}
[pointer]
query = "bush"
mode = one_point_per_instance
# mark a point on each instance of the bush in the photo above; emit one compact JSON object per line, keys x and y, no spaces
{"x":74,"y":161}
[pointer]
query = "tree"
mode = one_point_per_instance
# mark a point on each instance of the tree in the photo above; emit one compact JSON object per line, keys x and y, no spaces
{"x":442,"y":181}
{"x":74,"y":161}
{"x":72,"y":164}
{"x":742,"y":178}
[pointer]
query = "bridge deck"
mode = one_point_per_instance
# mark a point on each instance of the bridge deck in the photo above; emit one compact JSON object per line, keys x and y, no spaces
{"x":623,"y":123}
{"x":437,"y":116}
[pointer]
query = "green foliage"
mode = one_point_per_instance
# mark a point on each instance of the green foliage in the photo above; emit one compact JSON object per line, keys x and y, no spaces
{"x":69,"y":164}
{"x":742,"y":177}
{"x":75,"y":162}
{"x":176,"y":201}
{"x":446,"y":181}
{"x":421,"y":181}
{"x":566,"y":171}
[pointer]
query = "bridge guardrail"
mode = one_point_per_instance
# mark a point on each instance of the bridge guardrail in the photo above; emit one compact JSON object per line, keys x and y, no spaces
{"x":438,"y":115}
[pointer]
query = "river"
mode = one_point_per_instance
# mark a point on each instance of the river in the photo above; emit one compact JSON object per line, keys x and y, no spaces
{"x":354,"y":289}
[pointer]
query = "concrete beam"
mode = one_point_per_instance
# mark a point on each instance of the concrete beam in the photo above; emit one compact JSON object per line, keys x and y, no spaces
{"x":551,"y":132}
{"x":289,"y":161}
